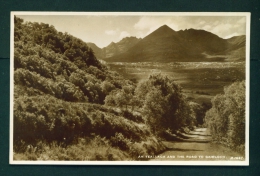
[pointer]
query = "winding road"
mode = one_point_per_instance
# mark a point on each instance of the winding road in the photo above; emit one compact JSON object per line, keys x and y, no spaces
{"x":197,"y":145}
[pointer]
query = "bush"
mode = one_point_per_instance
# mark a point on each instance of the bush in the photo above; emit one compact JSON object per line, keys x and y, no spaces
{"x":133,"y":117}
{"x":47,"y":118}
{"x":95,"y":149}
{"x":120,"y":141}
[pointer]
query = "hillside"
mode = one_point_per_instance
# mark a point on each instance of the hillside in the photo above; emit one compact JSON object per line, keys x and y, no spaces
{"x":237,"y":40}
{"x":167,"y":45}
{"x":237,"y":51}
{"x":60,"y":89}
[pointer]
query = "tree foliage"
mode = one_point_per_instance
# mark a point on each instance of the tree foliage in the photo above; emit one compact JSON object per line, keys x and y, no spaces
{"x":163,"y":103}
{"x":59,"y":64}
{"x":226,"y":118}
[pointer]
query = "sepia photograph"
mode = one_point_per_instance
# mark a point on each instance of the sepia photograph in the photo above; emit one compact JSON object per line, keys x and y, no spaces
{"x":129,"y":88}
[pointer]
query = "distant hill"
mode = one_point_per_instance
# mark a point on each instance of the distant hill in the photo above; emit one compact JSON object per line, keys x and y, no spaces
{"x":114,"y":48}
{"x":161,"y":32}
{"x":237,"y":51}
{"x":237,"y":40}
{"x":120,"y":47}
{"x":167,"y":45}
{"x":98,"y":51}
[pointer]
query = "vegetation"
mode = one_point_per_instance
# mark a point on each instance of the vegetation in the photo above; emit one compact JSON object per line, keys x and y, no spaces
{"x":226,"y":118}
{"x":59,"y":92}
{"x":60,"y":65}
{"x":63,"y":124}
{"x":163,"y":104}
{"x":69,"y":106}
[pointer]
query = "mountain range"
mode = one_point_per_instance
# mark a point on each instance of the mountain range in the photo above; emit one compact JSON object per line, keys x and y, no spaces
{"x":166,"y":45}
{"x":114,"y":48}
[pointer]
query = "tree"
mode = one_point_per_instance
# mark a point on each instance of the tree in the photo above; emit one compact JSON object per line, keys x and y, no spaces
{"x":197,"y":113}
{"x":107,"y":87}
{"x":226,"y":118}
{"x":163,"y":103}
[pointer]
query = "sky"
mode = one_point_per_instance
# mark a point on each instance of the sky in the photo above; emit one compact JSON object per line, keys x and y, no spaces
{"x":104,"y":29}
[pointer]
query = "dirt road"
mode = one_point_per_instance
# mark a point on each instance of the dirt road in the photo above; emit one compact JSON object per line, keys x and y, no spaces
{"x":197,"y":146}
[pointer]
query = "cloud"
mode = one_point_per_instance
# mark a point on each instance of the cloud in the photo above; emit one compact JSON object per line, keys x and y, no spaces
{"x":110,"y":32}
{"x":149,"y":24}
{"x":202,"y":22}
{"x":146,"y":23}
{"x":222,"y":29}
{"x":124,"y":34}
{"x":222,"y":26}
{"x":140,"y":34}
{"x":231,"y":35}
{"x":207,"y":27}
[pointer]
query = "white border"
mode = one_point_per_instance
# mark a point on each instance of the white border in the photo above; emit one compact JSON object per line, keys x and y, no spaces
{"x":198,"y":163}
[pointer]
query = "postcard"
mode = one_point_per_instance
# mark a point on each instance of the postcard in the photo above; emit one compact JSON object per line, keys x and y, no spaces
{"x":129,"y":88}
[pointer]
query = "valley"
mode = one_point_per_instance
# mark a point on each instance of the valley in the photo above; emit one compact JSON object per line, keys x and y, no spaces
{"x":200,"y":80}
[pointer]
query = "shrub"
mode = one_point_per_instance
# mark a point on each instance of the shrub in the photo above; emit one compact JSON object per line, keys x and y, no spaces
{"x":95,"y":149}
{"x":120,"y":141}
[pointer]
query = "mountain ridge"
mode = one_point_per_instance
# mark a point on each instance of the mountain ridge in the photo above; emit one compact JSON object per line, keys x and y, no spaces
{"x":114,"y":48}
{"x":166,"y":45}
{"x":163,"y":31}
